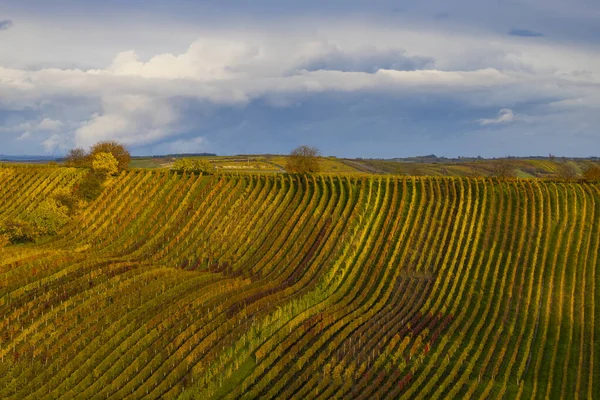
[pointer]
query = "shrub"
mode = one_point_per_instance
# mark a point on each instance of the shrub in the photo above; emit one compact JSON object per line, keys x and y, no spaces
{"x":4,"y":240}
{"x":18,"y":231}
{"x":49,"y":217}
{"x":77,"y":158}
{"x":90,"y":187}
{"x":183,"y":165}
{"x":592,"y":173}
{"x":193,"y":165}
{"x":66,"y":198}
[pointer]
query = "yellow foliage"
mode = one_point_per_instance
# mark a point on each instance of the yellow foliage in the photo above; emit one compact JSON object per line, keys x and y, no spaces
{"x":105,"y":163}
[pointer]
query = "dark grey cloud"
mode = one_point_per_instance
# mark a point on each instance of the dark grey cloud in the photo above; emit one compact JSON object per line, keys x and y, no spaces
{"x":441,"y":15}
{"x":524,"y":33}
{"x":5,"y":24}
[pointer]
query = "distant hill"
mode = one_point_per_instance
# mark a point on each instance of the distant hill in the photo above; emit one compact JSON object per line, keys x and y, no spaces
{"x":23,"y":158}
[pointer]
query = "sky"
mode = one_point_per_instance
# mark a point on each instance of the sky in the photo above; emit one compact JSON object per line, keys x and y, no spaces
{"x":355,"y":78}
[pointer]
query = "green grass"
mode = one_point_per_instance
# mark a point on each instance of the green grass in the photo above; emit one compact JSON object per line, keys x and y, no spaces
{"x":144,"y":163}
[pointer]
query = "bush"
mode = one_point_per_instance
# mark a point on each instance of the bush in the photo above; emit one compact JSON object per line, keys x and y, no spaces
{"x":4,"y":240}
{"x":592,"y":174}
{"x":77,"y":158}
{"x":49,"y":217}
{"x":18,"y":231}
{"x":66,"y":198}
{"x":90,"y":187}
{"x":193,"y":165}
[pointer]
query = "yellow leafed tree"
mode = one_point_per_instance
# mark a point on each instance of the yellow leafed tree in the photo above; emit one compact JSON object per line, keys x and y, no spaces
{"x":105,"y":163}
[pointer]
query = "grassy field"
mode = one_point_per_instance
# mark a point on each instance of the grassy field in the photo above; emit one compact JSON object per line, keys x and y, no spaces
{"x":523,"y":167}
{"x":269,"y":285}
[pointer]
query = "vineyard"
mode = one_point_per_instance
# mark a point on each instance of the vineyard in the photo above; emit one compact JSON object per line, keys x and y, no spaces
{"x":309,"y":287}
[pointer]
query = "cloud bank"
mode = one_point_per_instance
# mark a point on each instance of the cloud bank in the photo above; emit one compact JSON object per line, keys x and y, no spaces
{"x":224,"y":89}
{"x":504,"y":116}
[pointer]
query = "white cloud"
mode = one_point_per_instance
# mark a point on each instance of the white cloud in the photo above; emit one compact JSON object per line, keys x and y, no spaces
{"x":48,"y":124}
{"x":24,"y":136}
{"x":505,"y":116}
{"x":56,"y":143}
{"x":138,"y":100}
{"x":131,"y":119}
{"x":207,"y":59}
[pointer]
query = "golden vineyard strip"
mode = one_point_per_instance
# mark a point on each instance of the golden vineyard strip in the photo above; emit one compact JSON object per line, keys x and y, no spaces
{"x":285,"y":286}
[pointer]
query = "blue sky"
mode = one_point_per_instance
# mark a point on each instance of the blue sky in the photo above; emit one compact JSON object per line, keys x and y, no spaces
{"x":359,"y":79}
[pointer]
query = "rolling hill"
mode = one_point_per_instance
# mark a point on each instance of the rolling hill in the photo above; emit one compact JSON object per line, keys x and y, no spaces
{"x":283,"y":286}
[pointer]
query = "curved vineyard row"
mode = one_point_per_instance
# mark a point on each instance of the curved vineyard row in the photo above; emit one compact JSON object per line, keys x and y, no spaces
{"x":283,"y":286}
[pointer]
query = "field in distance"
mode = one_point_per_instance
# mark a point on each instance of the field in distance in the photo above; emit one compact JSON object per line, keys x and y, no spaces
{"x":270,"y":285}
{"x":538,"y":167}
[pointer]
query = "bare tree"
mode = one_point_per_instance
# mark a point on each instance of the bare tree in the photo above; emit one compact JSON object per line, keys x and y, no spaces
{"x":504,"y":168}
{"x":77,"y":157}
{"x":566,"y":170}
{"x":303,"y":159}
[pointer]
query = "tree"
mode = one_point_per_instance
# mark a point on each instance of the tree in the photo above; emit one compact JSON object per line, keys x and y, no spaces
{"x":119,"y":152}
{"x":303,"y":159}
{"x":566,"y":170}
{"x":592,"y":173}
{"x":503,"y":168}
{"x":105,"y":164}
{"x":193,"y":165}
{"x":204,"y":166}
{"x":77,"y":158}
{"x":183,"y":165}
{"x":49,"y":217}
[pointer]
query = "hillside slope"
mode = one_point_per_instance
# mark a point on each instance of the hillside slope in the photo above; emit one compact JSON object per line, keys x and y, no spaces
{"x":282,"y":286}
{"x":22,"y":188}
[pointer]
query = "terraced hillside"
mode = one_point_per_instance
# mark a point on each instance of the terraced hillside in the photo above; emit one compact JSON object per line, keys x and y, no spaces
{"x":283,"y":286}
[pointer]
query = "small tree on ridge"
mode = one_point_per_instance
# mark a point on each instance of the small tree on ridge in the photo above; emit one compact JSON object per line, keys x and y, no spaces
{"x":303,"y":159}
{"x":115,"y":148}
{"x":77,"y":158}
{"x":105,"y":164}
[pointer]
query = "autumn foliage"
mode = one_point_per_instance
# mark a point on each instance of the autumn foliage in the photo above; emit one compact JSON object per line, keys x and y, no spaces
{"x":180,"y":285}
